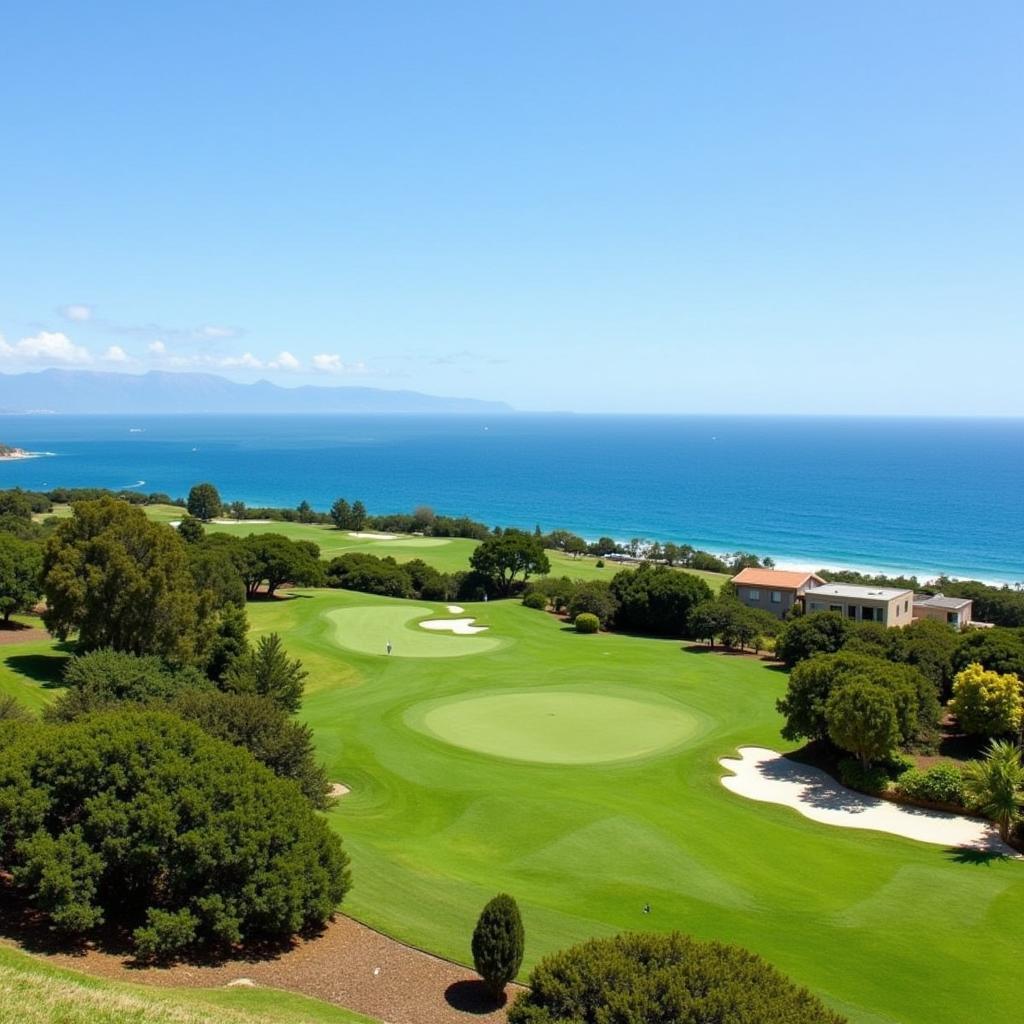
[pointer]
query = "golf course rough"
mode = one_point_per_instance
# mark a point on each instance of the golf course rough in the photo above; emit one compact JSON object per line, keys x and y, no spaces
{"x":555,"y":727}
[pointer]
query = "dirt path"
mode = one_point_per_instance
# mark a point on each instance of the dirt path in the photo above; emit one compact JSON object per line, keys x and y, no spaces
{"x":349,"y":965}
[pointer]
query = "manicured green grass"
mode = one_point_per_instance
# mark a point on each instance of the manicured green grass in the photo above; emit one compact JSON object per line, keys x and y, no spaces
{"x":446,"y":811}
{"x":35,"y":992}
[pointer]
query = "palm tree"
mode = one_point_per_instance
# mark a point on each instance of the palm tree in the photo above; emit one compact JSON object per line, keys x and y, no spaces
{"x":995,"y":785}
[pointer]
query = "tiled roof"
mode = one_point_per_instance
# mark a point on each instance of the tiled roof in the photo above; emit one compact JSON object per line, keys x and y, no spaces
{"x":778,"y":579}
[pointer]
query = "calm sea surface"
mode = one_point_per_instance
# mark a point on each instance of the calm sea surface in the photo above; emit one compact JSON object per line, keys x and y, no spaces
{"x":923,"y":495}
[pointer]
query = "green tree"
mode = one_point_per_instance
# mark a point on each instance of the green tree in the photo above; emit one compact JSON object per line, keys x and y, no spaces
{"x":987,"y":703}
{"x":256,"y":723}
{"x":498,"y":943}
{"x":305,"y":512}
{"x":142,"y":820}
{"x":341,"y":514}
{"x":999,"y":650}
{"x":994,"y":785}
{"x":513,"y":556}
{"x":861,"y":718}
{"x":121,"y":581}
{"x":708,"y":619}
{"x":594,"y":596}
{"x":190,"y":530}
{"x":358,"y":519}
{"x":21,"y":564}
{"x":656,"y":599}
{"x":273,"y":559}
{"x":204,"y":502}
{"x":236,"y":509}
{"x":269,"y":672}
{"x":640,"y":978}
{"x":807,"y":635}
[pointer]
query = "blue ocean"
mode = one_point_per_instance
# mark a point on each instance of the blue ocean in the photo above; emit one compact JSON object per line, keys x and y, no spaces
{"x":894,"y":494}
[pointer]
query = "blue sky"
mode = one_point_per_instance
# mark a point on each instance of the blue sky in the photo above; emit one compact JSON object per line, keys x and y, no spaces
{"x":643,"y":207}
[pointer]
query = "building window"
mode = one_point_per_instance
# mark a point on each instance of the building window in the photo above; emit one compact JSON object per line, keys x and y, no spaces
{"x":836,"y":608}
{"x":754,"y":595}
{"x":953,"y":618}
{"x":906,"y":606}
{"x":851,"y":611}
{"x":776,"y":597}
{"x":816,"y":606}
{"x":869,"y":614}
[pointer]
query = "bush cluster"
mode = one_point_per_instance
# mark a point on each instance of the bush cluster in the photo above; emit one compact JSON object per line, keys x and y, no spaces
{"x":941,"y":784}
{"x":663,"y":979}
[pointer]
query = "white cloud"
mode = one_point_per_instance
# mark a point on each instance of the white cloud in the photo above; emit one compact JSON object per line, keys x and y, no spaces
{"x":76,"y":311}
{"x":284,"y":361}
{"x":157,"y":348}
{"x":115,"y":354}
{"x":45,"y":347}
{"x":328,"y":362}
{"x":214,"y":332}
{"x":246,"y":360}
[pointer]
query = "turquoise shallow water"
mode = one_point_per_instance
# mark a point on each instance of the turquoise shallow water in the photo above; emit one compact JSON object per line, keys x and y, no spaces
{"x":924,"y":495}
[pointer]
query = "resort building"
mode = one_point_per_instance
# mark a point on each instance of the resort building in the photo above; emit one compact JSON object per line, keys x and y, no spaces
{"x":773,"y":590}
{"x":887,"y":605}
{"x":954,"y":611}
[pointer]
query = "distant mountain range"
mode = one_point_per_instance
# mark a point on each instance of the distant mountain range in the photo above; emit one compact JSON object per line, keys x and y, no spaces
{"x":88,"y":392}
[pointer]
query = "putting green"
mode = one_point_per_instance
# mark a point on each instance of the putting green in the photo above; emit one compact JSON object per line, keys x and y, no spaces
{"x":369,"y":628}
{"x":556,"y":727}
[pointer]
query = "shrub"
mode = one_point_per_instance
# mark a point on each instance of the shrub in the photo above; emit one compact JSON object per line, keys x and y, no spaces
{"x":595,"y":597}
{"x":940,"y":784}
{"x":599,"y":564}
{"x":986,"y":703}
{"x":535,"y":599}
{"x":656,"y":599}
{"x":807,"y":635}
{"x":867,"y":779}
{"x":498,"y":943}
{"x":663,"y":978}
{"x":585,"y":622}
{"x":143,"y":820}
{"x":862,"y":719}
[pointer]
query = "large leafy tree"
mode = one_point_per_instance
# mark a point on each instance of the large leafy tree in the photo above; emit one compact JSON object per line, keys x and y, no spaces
{"x":498,"y":943}
{"x":656,"y":599}
{"x":1000,"y":650}
{"x":807,"y":635}
{"x":120,"y":581}
{"x":21,"y":563}
{"x":143,"y":820}
{"x":510,"y":558}
{"x":663,"y":979}
{"x":204,"y":502}
{"x":273,"y":559}
{"x":862,"y":719}
{"x":995,"y":785}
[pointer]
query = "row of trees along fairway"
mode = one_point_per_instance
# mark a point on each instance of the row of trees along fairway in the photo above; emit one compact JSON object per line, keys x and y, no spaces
{"x":169,"y":791}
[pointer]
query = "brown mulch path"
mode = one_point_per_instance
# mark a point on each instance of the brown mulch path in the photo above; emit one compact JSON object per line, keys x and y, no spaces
{"x":348,"y":964}
{"x":16,"y":633}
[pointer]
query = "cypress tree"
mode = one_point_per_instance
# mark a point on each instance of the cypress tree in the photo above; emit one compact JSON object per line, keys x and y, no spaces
{"x":498,"y":943}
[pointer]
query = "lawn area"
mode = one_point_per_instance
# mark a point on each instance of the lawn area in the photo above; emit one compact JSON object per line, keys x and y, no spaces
{"x":34,"y":992}
{"x":579,"y":773}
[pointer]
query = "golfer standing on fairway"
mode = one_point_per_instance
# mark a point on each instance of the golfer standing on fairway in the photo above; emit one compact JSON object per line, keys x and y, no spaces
{"x":387,"y":647}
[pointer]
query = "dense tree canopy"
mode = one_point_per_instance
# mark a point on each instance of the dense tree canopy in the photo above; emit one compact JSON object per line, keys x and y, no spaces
{"x":120,"y":581}
{"x":141,"y":818}
{"x":21,"y":565}
{"x":512,"y":557}
{"x":204,"y":502}
{"x":271,"y":559}
{"x":656,"y":599}
{"x":807,"y":635}
{"x":862,"y":719}
{"x":663,"y":979}
{"x":268,"y":672}
{"x":1001,"y":650}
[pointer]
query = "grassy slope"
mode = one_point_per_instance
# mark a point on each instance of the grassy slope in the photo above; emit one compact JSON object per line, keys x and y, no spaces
{"x":880,"y":926}
{"x":34,"y":992}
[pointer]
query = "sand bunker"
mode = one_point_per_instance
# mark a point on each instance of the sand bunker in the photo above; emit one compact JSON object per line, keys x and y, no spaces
{"x":372,"y":536}
{"x":762,"y":774}
{"x":338,"y":789}
{"x":460,"y":627}
{"x":455,"y":609}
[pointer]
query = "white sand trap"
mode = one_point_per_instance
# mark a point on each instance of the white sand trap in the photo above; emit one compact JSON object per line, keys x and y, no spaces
{"x":455,"y":609}
{"x":461,"y":627}
{"x":242,"y":522}
{"x":373,"y":536}
{"x":762,"y":774}
{"x":338,"y":789}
